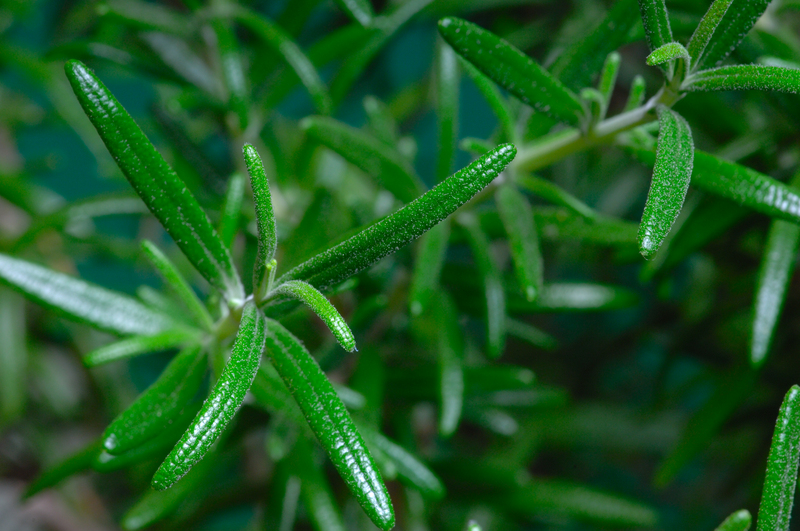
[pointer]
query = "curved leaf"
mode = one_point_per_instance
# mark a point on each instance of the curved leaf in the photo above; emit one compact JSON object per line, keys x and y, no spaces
{"x":746,"y":77}
{"x":737,"y":21}
{"x":136,"y":345}
{"x":517,"y":217}
{"x":667,"y":52}
{"x":359,"y":10}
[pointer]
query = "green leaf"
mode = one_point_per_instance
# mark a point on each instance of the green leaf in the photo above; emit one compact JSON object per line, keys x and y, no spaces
{"x":554,"y":194}
{"x":13,"y":356}
{"x":513,"y":70}
{"x":449,"y":346}
{"x":737,"y":21}
{"x":608,"y":79}
{"x":52,"y":476}
{"x":231,"y":209}
{"x":568,"y":297}
{"x":159,"y":405}
{"x":155,"y":182}
{"x":561,"y":499}
{"x":557,"y":224}
{"x":265,"y":219}
{"x":775,"y":273}
{"x":407,"y":224}
{"x":671,"y":175}
{"x":523,"y":240}
{"x":359,"y":10}
{"x":428,"y":267}
{"x":137,"y":345}
{"x":637,"y":93}
{"x":148,"y":16}
{"x":330,"y":422}
{"x":178,"y":285}
{"x":315,"y":489}
{"x":738,"y":521}
{"x":448,"y":78}
{"x":705,"y":30}
{"x":80,"y":300}
{"x":579,"y":63}
{"x":312,"y":298}
{"x":369,"y":154}
{"x":231,"y":70}
{"x":222,"y":403}
{"x":381,"y":121}
{"x":784,"y":454}
{"x":496,"y":101}
{"x":656,"y":23}
{"x":746,"y":77}
{"x":531,"y":334}
{"x":668,"y":52}
{"x":494,"y":296}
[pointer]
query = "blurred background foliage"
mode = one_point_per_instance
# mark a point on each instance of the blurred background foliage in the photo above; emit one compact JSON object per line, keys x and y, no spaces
{"x":642,"y":390}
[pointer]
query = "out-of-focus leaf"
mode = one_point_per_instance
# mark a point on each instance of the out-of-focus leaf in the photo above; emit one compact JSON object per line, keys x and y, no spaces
{"x":738,"y":521}
{"x":231,"y":209}
{"x":523,"y":240}
{"x":13,"y":356}
{"x":148,"y":16}
{"x":637,"y":94}
{"x":428,"y":267}
{"x":496,"y":101}
{"x":448,"y":79}
{"x":531,"y":334}
{"x":566,"y":297}
{"x":554,"y":194}
{"x":77,"y":462}
{"x":656,"y":23}
{"x":136,"y":345}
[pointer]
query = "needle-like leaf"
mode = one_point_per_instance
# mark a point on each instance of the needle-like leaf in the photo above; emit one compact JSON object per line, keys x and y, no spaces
{"x":738,"y":521}
{"x":496,"y":101}
{"x":512,"y":70}
{"x":222,"y":403}
{"x":448,"y":78}
{"x":13,"y":356}
{"x":369,"y":154}
{"x":608,"y":79}
{"x":637,"y":93}
{"x":784,"y":454}
{"x":359,"y":10}
{"x":667,"y":52}
{"x":705,"y":30}
{"x":671,"y":175}
{"x":308,"y":295}
{"x":428,"y":267}
{"x":737,"y":21}
{"x":76,"y":462}
{"x":554,"y":194}
{"x":450,"y":354}
{"x":80,"y":300}
{"x":314,"y":488}
{"x":160,"y":405}
{"x":231,"y":209}
{"x":265,"y":218}
{"x":137,"y":345}
{"x":523,"y":240}
{"x":656,"y":23}
{"x":746,"y":77}
{"x":155,"y":182}
{"x":330,"y":422}
{"x":569,"y":297}
{"x":407,"y":224}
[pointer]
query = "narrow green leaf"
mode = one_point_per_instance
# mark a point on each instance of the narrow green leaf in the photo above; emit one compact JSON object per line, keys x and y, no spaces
{"x":608,"y":78}
{"x":80,"y":300}
{"x":448,"y":78}
{"x":705,"y":30}
{"x":410,"y":470}
{"x":784,"y":454}
{"x":579,"y":63}
{"x":308,"y":295}
{"x":159,"y":405}
{"x":231,"y":209}
{"x":775,"y":273}
{"x":148,"y":16}
{"x":494,"y":296}
{"x":359,"y":10}
{"x":512,"y":70}
{"x":314,"y":488}
{"x":432,"y":251}
{"x":472,"y":525}
{"x":222,"y":403}
{"x":381,"y":121}
{"x":231,"y":70}
{"x":476,"y":146}
{"x":531,"y":334}
{"x":668,"y":52}
{"x":496,"y":101}
{"x":330,"y":422}
{"x":671,"y":175}
{"x":449,"y":346}
{"x":523,"y":240}
{"x":738,"y":521}
{"x":52,"y":476}
{"x":178,"y":284}
{"x":637,"y":94}
{"x":554,"y":194}
{"x":369,"y":154}
{"x":137,"y":345}
{"x":656,"y":23}
{"x":562,"y":499}
{"x":407,"y":224}
{"x":746,"y":77}
{"x":737,"y":21}
{"x":13,"y":356}
{"x":176,"y":53}
{"x":569,"y":297}
{"x":265,"y":219}
{"x":155,"y":182}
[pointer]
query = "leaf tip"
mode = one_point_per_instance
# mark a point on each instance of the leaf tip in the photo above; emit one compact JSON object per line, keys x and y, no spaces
{"x":647,"y":247}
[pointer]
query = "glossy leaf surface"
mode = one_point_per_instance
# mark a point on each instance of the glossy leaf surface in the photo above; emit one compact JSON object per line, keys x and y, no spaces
{"x":222,"y":403}
{"x":155,"y":182}
{"x":330,"y":422}
{"x":511,"y":69}
{"x":407,"y":224}
{"x":80,"y":300}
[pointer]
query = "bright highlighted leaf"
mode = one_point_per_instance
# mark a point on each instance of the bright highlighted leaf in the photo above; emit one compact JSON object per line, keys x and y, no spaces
{"x":671,"y":175}
{"x":667,"y":52}
{"x":407,"y":224}
{"x":554,"y":194}
{"x":79,"y":300}
{"x":312,"y":298}
{"x":156,"y":183}
{"x":159,"y":405}
{"x":737,"y":21}
{"x":265,"y":219}
{"x":222,"y":403}
{"x":738,"y":521}
{"x":569,"y":297}
{"x":512,"y":70}
{"x":705,"y":30}
{"x":231,"y":209}
{"x":369,"y":154}
{"x":330,"y":422}
{"x":746,"y":77}
{"x":784,"y":454}
{"x":517,"y":217}
{"x":656,"y":23}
